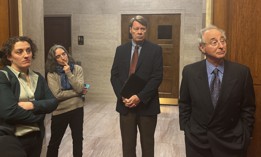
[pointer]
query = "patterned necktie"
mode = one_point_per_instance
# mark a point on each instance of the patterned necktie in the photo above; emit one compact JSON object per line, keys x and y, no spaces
{"x":134,"y":60}
{"x":215,"y":87}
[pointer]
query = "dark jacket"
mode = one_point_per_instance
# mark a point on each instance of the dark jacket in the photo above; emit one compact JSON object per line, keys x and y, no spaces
{"x":149,"y":68}
{"x":10,"y":145}
{"x":11,"y":114}
{"x":227,"y":128}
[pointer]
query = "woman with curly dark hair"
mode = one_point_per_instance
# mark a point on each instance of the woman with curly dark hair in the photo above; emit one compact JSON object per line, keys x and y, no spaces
{"x":25,"y":95}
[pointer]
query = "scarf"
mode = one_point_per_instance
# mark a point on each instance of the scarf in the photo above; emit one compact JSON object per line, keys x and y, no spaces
{"x":64,"y":79}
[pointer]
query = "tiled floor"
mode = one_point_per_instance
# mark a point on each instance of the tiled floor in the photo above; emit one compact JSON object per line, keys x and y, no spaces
{"x":102,"y":134}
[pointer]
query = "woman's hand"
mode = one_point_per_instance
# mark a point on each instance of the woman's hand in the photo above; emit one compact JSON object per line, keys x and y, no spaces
{"x":26,"y":105}
{"x":84,"y":91}
{"x":66,"y":68}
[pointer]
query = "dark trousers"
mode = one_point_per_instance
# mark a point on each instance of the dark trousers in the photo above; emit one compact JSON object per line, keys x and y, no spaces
{"x":59,"y":124}
{"x":11,"y":147}
{"x":214,"y":151}
{"x":32,"y":143}
{"x":146,"y":125}
{"x":193,"y":151}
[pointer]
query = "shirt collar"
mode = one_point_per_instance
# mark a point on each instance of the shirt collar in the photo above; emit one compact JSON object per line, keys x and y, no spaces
{"x":134,"y":44}
{"x":211,"y":67}
{"x":18,"y":74}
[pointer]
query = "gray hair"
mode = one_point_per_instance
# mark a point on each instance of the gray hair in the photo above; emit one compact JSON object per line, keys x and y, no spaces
{"x":51,"y":63}
{"x":201,"y":40}
{"x":139,"y":19}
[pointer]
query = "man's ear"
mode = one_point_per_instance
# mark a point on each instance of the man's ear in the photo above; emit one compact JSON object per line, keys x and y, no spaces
{"x":201,"y":48}
{"x":130,"y":30}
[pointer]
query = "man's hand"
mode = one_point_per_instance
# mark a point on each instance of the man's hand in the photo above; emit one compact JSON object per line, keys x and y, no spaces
{"x":133,"y":101}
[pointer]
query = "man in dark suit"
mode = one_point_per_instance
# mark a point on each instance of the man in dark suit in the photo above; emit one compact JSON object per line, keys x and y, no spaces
{"x":139,"y":110}
{"x":219,"y":128}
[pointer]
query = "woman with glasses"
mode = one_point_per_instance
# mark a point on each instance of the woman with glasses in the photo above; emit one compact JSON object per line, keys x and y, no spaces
{"x":25,"y":96}
{"x":66,"y":82}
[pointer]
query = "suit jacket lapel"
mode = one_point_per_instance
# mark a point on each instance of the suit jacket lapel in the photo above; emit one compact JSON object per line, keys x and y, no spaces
{"x":142,"y":54}
{"x":127,"y":58}
{"x":204,"y":86}
{"x":228,"y":83}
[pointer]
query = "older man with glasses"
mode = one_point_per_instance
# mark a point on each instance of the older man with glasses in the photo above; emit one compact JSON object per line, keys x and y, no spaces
{"x":217,"y":101}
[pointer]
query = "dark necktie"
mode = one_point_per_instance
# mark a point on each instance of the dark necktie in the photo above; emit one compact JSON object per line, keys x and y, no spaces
{"x":215,"y":87}
{"x":134,"y":60}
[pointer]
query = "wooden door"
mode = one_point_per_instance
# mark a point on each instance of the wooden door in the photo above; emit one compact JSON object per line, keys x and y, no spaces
{"x":4,"y":18}
{"x":57,"y":30}
{"x":164,"y":30}
{"x":241,"y":20}
{"x":9,"y":19}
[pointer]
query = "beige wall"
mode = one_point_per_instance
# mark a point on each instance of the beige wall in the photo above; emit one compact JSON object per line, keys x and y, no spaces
{"x":99,"y":22}
{"x":31,"y":24}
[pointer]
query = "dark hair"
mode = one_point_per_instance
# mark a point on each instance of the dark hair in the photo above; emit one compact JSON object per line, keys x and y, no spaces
{"x":139,"y":19}
{"x":8,"y":47}
{"x":51,"y":63}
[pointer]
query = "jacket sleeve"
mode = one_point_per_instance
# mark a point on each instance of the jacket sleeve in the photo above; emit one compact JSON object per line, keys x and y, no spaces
{"x":115,"y":78}
{"x":184,"y":101}
{"x":9,"y":109}
{"x":248,"y":104}
{"x":45,"y":102}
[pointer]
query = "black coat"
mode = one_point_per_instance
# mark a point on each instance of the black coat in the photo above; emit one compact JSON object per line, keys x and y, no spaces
{"x":149,"y":68}
{"x":10,"y":145}
{"x":227,"y":128}
{"x":12,"y":114}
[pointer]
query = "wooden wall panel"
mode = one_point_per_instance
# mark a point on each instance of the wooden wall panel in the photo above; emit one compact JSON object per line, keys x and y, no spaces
{"x":255,"y":146}
{"x":4,"y":18}
{"x":245,"y":28}
{"x":220,"y":12}
{"x":13,"y":18}
{"x":9,"y":19}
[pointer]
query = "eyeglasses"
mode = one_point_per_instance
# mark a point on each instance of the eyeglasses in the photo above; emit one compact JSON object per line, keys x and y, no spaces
{"x":215,"y":42}
{"x":142,"y":29}
{"x":61,"y":55}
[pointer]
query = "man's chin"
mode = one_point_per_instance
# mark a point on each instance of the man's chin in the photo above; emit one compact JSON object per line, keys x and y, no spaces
{"x":221,"y":56}
{"x":139,"y":41}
